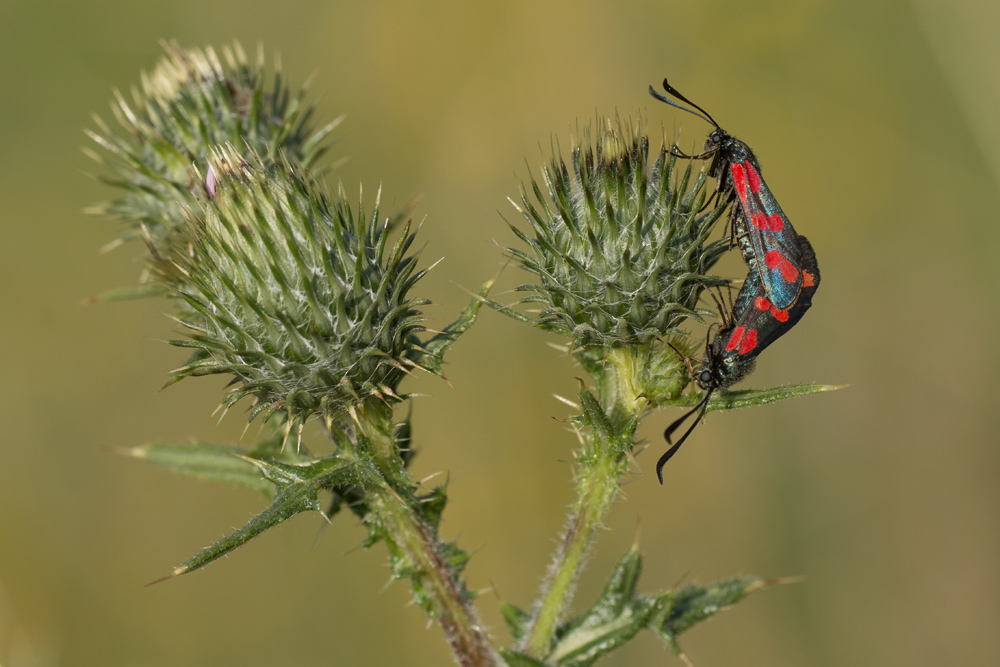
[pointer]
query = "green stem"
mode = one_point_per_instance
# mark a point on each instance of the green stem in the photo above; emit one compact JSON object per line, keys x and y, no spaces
{"x":623,"y":393}
{"x":596,"y":490}
{"x":406,"y":531}
{"x":602,"y":461}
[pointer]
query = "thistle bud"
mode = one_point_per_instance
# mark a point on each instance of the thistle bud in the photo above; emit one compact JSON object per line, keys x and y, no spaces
{"x":303,"y":301}
{"x":191,"y":102}
{"x":620,"y":245}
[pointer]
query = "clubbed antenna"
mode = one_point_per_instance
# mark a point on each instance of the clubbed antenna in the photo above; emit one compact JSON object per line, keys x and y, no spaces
{"x":673,"y":91}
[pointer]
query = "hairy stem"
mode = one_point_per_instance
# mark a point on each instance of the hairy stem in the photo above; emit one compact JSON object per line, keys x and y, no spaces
{"x":596,"y":489}
{"x":601,"y":462}
{"x":417,"y":542}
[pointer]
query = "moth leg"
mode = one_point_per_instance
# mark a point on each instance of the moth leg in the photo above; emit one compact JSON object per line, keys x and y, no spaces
{"x":723,"y":315}
{"x":685,"y":359}
{"x":709,"y":202}
{"x":734,"y":216}
{"x":700,"y":156}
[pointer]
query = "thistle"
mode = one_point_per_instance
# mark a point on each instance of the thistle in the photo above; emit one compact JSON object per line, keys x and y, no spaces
{"x":306,"y":303}
{"x":621,"y":252}
{"x":620,"y":249}
{"x":190,"y":103}
{"x":298,"y":297}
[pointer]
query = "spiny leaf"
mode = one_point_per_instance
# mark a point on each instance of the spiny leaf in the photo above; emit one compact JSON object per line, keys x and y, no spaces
{"x":274,"y":448}
{"x":432,"y":505}
{"x":616,"y":617}
{"x":325,"y":473}
{"x":129,"y":293}
{"x":620,"y":587}
{"x":587,"y":644}
{"x":217,"y":463}
{"x":404,"y":438}
{"x":593,"y":413}
{"x":620,"y":613}
{"x":298,"y":488}
{"x":515,"y":659}
{"x":693,"y":604}
{"x":730,"y":400}
{"x":433,"y":350}
{"x":513,"y":314}
{"x":516,"y":618}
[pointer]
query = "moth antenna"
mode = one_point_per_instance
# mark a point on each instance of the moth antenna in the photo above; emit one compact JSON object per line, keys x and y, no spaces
{"x":676,"y":93}
{"x":703,"y":406}
{"x":674,"y":104}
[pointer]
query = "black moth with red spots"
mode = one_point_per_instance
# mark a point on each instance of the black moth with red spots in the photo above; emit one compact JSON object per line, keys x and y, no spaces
{"x":783,"y":274}
{"x":753,"y":324}
{"x":758,"y":226}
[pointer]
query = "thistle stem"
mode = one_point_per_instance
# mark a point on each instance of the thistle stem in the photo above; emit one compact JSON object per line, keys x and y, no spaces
{"x":601,"y":462}
{"x":597,"y":487}
{"x":418,"y":542}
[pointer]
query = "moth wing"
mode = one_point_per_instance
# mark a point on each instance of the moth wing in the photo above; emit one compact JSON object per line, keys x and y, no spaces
{"x":774,"y":241}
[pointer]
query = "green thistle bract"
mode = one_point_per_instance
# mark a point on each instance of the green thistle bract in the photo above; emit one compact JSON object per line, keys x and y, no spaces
{"x":294,"y":295}
{"x":620,"y":248}
{"x":189,"y":104}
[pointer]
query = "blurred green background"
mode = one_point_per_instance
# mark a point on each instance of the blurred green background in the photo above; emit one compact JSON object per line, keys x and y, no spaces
{"x":878,"y":127}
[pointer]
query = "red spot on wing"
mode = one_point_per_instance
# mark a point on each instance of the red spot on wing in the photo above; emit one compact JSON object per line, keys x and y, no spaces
{"x":808,"y":279}
{"x":737,"y":336}
{"x":773,"y":259}
{"x":752,"y":176}
{"x":740,"y":181}
{"x":780,"y":315}
{"x":762,"y":303}
{"x":789,"y":272}
{"x":749,"y":341}
{"x":768,"y":223}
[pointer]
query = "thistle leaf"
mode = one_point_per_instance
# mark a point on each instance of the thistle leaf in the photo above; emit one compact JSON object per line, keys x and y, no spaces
{"x":516,"y":618}
{"x":515,"y":659}
{"x":693,"y":604}
{"x":620,"y":613}
{"x":216,"y":463}
{"x":297,"y":491}
{"x":130,"y":293}
{"x":592,"y":414}
{"x":731,"y":400}
{"x":433,"y":350}
{"x":617,"y":616}
{"x":513,"y":314}
{"x":227,"y":464}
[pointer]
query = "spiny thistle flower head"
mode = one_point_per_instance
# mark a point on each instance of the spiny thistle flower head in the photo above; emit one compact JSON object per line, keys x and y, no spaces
{"x":620,"y":248}
{"x":303,"y":301}
{"x":191,"y":102}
